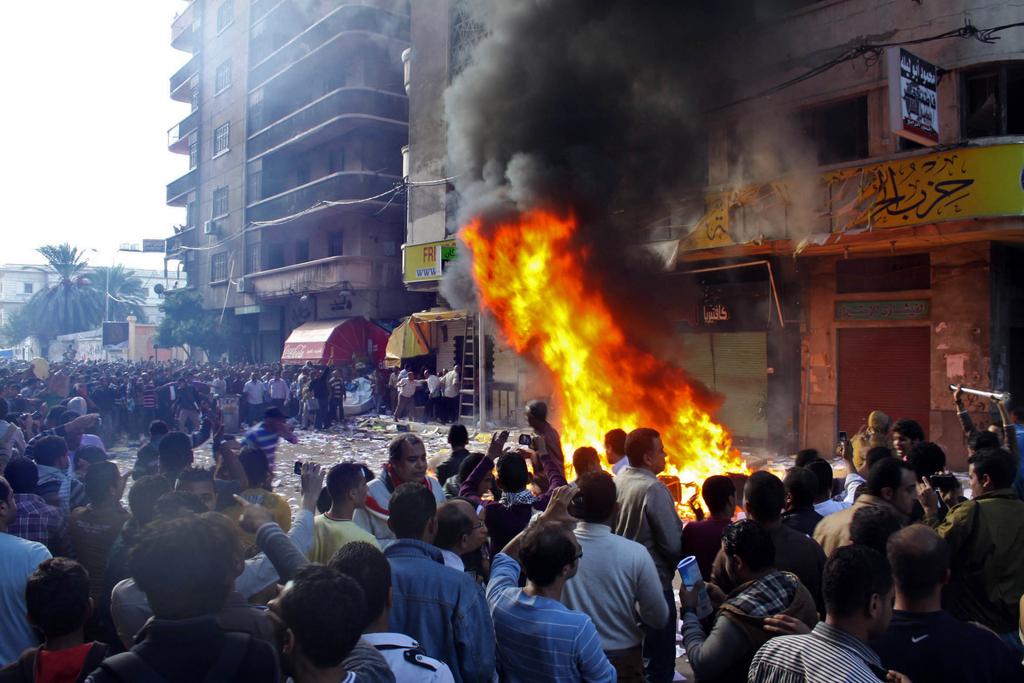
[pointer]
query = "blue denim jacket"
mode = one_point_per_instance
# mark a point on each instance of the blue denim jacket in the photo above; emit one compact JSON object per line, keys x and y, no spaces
{"x":443,"y":609}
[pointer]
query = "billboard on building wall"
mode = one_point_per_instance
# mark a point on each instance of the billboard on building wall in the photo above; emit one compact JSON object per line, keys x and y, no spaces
{"x":913,"y":96}
{"x":115,"y":333}
{"x":427,"y":262}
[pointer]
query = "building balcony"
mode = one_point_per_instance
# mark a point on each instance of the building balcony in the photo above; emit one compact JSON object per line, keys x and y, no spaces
{"x":347,"y":20}
{"x":177,"y":136}
{"x":175,"y":245}
{"x":361,"y":272}
{"x":334,"y":187}
{"x":331,"y":115}
{"x":180,"y":82}
{"x":183,"y":29}
{"x":177,"y":192}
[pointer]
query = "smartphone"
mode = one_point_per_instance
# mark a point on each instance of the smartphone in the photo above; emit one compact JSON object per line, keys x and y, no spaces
{"x":946,"y":482}
{"x":298,"y":467}
{"x":525,"y":440}
{"x":842,"y":437}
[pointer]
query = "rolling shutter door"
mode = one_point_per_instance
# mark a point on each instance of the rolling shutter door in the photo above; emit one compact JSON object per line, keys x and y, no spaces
{"x":734,"y":365}
{"x":883,"y":368}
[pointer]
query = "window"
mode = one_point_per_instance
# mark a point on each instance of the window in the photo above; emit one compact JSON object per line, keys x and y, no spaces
{"x":223,"y":79}
{"x":193,"y":153}
{"x":301,"y":251}
{"x":255,"y":186}
{"x":885,"y":274}
{"x":274,"y":256}
{"x":302,"y":173}
{"x":336,"y":160}
{"x":222,"y":139}
{"x":195,"y":98}
{"x":219,"y":267}
{"x":27,"y":287}
{"x":993,"y":101}
{"x":335,"y":244}
{"x":225,"y":15}
{"x":220,"y":202}
{"x":190,"y":215}
{"x":256,"y":110}
{"x":252,"y":258}
{"x":839,"y":130}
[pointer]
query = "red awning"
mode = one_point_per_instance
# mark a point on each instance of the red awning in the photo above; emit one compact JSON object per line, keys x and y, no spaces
{"x":329,"y":342}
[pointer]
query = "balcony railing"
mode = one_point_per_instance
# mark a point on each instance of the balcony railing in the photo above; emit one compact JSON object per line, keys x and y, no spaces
{"x":177,"y":136}
{"x":361,"y":272}
{"x":338,"y":186}
{"x":174,"y":245}
{"x":182,"y":77}
{"x":177,"y":192}
{"x":347,"y":18}
{"x":183,"y":29}
{"x":342,"y":104}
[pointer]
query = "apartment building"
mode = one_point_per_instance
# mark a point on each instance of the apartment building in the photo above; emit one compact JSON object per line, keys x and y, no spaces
{"x":293,"y":201}
{"x":18,"y":282}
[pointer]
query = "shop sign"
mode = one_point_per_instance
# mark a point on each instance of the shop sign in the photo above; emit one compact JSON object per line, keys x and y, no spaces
{"x":427,"y":262}
{"x":957,"y":184}
{"x":915,"y":309}
{"x":913,"y":97}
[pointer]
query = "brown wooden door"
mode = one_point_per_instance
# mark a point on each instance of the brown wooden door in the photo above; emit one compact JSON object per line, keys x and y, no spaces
{"x":883,"y":368}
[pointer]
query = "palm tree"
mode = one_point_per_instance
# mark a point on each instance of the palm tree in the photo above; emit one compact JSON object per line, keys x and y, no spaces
{"x":126,"y":292}
{"x":72,"y":304}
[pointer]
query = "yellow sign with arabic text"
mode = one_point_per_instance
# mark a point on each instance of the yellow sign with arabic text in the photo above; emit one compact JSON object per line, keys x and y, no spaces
{"x":959,"y":184}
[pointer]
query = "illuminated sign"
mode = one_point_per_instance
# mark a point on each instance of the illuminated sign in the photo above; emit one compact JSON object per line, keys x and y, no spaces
{"x":427,"y":262}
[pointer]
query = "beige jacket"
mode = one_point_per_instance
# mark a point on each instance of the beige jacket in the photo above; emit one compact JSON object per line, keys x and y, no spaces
{"x":834,"y":530}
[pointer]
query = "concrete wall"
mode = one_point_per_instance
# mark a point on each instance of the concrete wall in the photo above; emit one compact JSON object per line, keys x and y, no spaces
{"x":428,"y":142}
{"x":960,"y":338}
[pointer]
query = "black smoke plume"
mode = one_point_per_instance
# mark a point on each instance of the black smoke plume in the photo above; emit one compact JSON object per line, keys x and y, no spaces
{"x":593,"y":105}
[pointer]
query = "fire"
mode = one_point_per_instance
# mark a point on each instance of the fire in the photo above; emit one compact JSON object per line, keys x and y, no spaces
{"x":533,"y":281}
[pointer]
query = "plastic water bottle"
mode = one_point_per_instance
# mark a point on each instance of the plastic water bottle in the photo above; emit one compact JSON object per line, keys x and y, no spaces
{"x":689,"y":572}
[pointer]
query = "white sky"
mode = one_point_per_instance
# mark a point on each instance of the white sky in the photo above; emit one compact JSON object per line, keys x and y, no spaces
{"x":85,"y":113}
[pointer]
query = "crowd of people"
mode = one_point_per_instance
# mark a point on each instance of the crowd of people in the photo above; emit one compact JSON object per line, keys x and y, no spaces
{"x":487,"y":566}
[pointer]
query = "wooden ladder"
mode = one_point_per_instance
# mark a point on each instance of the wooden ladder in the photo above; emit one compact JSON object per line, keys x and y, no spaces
{"x":467,"y":372}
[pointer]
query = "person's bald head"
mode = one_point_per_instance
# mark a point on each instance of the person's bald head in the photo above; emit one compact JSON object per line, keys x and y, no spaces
{"x":920,"y":561}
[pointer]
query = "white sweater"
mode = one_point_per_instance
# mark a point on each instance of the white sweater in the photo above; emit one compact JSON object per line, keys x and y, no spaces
{"x":616,"y":579}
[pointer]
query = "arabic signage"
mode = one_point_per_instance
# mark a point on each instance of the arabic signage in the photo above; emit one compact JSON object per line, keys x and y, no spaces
{"x":913,"y":97}
{"x":153,"y":246}
{"x":427,"y":262}
{"x":729,"y":307}
{"x":916,"y":309}
{"x":959,"y":184}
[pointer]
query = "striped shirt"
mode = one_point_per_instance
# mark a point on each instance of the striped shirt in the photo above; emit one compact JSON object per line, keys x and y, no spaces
{"x":825,"y":655}
{"x":265,"y":440}
{"x":540,"y":639}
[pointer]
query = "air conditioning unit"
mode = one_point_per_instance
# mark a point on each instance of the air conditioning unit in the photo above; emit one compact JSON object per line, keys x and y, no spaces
{"x":209,"y":227}
{"x":242,"y":285}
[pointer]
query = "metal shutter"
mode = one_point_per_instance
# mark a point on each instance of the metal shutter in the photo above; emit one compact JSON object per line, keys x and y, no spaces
{"x":733,"y":364}
{"x":883,"y":368}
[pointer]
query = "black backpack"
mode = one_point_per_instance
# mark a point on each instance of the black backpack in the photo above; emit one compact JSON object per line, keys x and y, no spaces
{"x":131,"y":668}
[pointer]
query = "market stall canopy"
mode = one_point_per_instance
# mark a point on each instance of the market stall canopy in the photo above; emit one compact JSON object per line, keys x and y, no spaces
{"x":328,"y":342}
{"x":411,"y":338}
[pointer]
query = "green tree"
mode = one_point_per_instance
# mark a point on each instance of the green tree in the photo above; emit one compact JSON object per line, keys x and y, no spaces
{"x":188,"y":325}
{"x":127,"y":294}
{"x":17,"y":327}
{"x":70,"y":305}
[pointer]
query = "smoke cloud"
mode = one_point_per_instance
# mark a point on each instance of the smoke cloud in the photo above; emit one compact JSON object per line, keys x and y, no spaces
{"x":593,"y":105}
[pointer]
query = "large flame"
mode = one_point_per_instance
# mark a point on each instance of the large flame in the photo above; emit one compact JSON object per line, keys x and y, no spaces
{"x":532,"y":280}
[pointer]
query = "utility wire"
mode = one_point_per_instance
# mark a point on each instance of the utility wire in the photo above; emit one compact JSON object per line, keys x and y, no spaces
{"x":967,"y":31}
{"x":394,"y":192}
